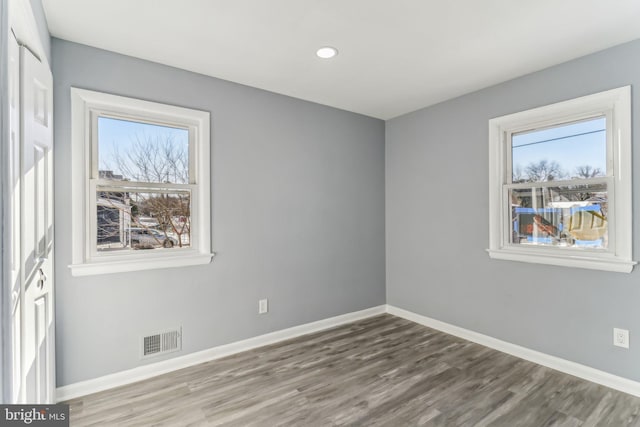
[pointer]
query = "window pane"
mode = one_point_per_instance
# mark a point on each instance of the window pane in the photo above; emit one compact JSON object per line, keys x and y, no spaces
{"x":570,"y":216}
{"x":142,"y":152}
{"x":143,"y":220}
{"x":569,"y":151}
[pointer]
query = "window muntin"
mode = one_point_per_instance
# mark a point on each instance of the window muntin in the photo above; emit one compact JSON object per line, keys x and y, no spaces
{"x":577,"y":211}
{"x":117,"y":208}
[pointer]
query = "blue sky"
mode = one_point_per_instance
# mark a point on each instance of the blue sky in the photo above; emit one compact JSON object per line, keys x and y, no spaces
{"x":573,"y":145}
{"x":577,"y":144}
{"x":119,"y":133}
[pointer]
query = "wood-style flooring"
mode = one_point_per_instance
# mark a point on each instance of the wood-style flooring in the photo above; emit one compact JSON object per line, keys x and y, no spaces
{"x":382,"y":371}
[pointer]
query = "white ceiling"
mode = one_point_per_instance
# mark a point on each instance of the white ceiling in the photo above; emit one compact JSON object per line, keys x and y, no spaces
{"x":396,"y":56}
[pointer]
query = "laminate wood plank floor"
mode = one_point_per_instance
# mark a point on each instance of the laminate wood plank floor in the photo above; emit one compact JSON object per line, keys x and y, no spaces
{"x":381,"y":371}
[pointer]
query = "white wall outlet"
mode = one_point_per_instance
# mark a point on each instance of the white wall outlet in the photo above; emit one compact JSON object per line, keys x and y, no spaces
{"x":621,"y":337}
{"x":263,"y":306}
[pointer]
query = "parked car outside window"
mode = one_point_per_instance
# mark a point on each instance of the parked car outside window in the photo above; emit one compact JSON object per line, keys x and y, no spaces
{"x":147,"y":238}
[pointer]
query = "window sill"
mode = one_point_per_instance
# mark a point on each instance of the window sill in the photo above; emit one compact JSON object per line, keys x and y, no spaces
{"x":564,"y":260}
{"x":107,"y":266}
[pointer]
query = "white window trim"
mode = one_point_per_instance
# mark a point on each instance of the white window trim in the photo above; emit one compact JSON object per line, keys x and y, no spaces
{"x":84,"y":105}
{"x":615,"y":104}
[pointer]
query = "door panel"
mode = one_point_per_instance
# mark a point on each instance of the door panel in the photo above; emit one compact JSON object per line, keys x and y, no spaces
{"x":40,"y":214}
{"x":36,"y":230}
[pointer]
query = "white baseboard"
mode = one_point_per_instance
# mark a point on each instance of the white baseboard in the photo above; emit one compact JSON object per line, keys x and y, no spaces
{"x":140,"y":373}
{"x":581,"y":371}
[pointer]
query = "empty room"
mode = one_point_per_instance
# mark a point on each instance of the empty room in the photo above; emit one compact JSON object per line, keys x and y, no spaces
{"x":320,"y":213}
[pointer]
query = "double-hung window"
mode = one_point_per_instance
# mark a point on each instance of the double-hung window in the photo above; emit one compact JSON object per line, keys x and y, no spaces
{"x":140,"y":188}
{"x":560,"y":183}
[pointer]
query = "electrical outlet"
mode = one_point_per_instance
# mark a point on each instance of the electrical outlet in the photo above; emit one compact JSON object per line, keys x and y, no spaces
{"x":263,"y":306}
{"x":621,"y":338}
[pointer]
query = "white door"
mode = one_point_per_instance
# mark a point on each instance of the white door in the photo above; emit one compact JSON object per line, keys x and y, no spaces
{"x":36,"y":230}
{"x":13,"y":225}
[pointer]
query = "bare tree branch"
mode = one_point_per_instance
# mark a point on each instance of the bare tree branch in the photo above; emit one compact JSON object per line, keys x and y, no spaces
{"x":543,"y":170}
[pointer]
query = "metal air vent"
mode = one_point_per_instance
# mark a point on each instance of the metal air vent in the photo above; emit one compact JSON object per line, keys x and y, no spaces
{"x":161,"y":343}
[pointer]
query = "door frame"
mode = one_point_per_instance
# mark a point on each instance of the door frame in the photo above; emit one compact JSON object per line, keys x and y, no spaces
{"x":5,"y":297}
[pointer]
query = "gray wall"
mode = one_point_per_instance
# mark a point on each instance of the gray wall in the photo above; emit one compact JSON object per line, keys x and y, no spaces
{"x":437,"y":226}
{"x":298,"y":217}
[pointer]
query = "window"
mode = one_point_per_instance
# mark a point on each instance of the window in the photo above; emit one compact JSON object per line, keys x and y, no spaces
{"x":560,"y":183}
{"x":140,"y":189}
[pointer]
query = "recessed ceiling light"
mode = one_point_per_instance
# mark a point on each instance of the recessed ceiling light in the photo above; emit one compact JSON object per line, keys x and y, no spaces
{"x":327,"y":52}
